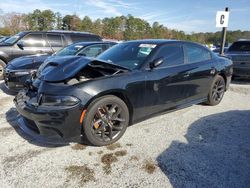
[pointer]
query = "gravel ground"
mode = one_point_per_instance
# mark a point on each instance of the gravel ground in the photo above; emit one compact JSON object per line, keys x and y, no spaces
{"x":200,"y":146}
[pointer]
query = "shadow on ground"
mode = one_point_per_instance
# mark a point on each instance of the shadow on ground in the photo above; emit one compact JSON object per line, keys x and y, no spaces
{"x":217,"y":153}
{"x":12,"y":117}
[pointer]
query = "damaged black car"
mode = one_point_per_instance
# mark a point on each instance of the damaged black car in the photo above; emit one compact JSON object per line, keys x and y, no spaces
{"x":76,"y":97}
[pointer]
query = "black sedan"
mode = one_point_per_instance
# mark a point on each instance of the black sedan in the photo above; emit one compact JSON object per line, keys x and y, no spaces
{"x":19,"y":70}
{"x":97,"y":99}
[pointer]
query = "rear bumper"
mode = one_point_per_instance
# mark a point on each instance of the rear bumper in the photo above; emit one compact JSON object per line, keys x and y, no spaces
{"x":53,"y":125}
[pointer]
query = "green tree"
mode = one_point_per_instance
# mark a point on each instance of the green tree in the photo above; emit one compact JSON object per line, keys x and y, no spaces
{"x":86,"y":24}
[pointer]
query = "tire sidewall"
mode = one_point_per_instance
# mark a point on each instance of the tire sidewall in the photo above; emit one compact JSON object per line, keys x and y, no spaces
{"x":91,"y":111}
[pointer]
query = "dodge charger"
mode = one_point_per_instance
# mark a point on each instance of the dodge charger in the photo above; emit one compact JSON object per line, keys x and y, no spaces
{"x":75,"y":98}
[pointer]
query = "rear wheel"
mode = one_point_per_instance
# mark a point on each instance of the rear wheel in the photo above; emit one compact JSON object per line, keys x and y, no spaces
{"x":2,"y":65}
{"x":216,"y":91}
{"x":106,"y":120}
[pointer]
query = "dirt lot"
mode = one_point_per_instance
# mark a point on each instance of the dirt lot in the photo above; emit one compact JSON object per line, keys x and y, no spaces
{"x":200,"y":146}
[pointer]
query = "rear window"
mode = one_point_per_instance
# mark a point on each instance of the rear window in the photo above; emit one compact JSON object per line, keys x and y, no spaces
{"x":197,"y":53}
{"x":240,"y":46}
{"x":81,"y":38}
{"x":55,"y":40}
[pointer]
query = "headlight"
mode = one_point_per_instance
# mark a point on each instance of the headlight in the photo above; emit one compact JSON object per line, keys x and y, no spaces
{"x":48,"y":100}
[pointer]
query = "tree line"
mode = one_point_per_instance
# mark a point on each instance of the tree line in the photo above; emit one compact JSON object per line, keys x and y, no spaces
{"x":119,"y":27}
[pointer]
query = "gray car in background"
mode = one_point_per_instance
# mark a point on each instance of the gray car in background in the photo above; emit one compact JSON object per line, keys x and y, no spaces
{"x":39,"y":42}
{"x":239,"y":52}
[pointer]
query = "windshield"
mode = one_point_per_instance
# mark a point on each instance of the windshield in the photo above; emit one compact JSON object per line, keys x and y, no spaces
{"x":69,"y":50}
{"x":129,"y":55}
{"x":240,"y":46}
{"x":13,"y":39}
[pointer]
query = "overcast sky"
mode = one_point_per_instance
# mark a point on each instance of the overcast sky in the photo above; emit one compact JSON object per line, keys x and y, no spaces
{"x":186,"y":15}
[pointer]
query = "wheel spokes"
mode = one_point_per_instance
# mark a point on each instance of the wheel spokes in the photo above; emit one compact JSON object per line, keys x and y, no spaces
{"x":109,"y":122}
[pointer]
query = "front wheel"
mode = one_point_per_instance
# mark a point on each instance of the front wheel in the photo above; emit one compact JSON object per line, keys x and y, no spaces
{"x":216,"y":91}
{"x":2,"y":65}
{"x":106,"y":120}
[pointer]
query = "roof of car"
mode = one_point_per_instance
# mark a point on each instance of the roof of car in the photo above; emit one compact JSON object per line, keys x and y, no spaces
{"x":162,"y":41}
{"x":60,"y":31}
{"x":95,"y":42}
{"x":156,"y":41}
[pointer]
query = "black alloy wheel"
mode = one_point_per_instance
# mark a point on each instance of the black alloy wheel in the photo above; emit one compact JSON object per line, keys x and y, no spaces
{"x":106,"y":120}
{"x":217,"y":91}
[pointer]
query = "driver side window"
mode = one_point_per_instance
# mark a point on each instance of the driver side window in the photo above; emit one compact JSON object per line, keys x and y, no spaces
{"x":172,"y":54}
{"x":92,"y":51}
{"x":34,"y":40}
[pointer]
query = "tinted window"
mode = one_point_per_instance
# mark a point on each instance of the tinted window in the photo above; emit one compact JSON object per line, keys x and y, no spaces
{"x":172,"y":54}
{"x":34,"y":40}
{"x":54,"y":40}
{"x":92,"y":51}
{"x":80,"y":38}
{"x":196,"y":53}
{"x":14,"y":38}
{"x":70,"y":50}
{"x":240,"y":46}
{"x":130,"y":54}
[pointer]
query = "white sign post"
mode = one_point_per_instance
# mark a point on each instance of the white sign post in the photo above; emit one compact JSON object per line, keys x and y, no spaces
{"x":222,"y":18}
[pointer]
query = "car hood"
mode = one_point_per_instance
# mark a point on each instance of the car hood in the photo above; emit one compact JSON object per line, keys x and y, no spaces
{"x":28,"y":62}
{"x":58,"y":69}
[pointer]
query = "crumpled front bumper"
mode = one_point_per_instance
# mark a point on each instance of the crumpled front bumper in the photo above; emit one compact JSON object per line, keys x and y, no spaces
{"x":46,"y":123}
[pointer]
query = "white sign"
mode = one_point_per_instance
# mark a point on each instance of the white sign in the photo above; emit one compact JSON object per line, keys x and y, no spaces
{"x":222,"y":18}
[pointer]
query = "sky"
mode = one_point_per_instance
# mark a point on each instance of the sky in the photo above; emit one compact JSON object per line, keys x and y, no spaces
{"x":186,"y":15}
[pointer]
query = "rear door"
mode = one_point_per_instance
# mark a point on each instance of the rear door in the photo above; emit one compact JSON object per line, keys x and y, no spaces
{"x":55,"y":42}
{"x":201,"y":71}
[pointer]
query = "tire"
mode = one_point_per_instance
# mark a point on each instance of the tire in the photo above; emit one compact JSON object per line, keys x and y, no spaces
{"x":216,"y":91}
{"x":102,"y":114}
{"x":2,"y":65}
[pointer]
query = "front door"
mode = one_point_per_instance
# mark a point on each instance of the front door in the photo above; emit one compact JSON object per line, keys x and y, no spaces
{"x":166,"y":84}
{"x":32,"y":44}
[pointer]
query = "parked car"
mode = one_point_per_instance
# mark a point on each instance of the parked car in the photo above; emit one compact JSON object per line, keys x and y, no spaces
{"x":19,"y":70}
{"x":76,"y":97}
{"x":4,"y":38}
{"x":34,"y":42}
{"x":239,"y":51}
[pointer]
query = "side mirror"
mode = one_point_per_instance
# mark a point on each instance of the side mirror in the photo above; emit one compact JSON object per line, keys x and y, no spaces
{"x":20,"y":44}
{"x":156,"y":62}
